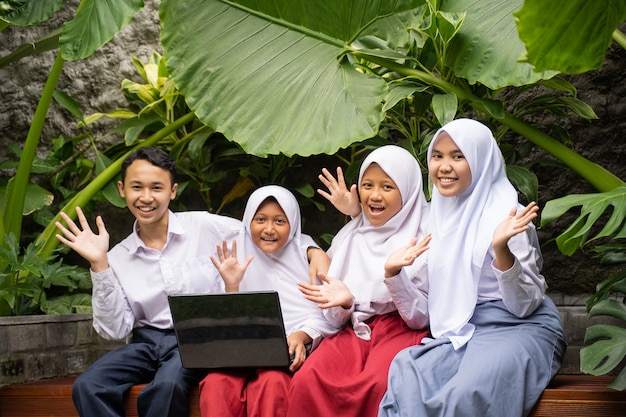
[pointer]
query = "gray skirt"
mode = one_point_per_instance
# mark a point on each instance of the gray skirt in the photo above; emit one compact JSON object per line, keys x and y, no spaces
{"x":500,"y":372}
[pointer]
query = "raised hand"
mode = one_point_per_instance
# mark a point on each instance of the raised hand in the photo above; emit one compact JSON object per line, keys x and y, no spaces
{"x":514,"y":224}
{"x":93,"y":247}
{"x":344,"y":200}
{"x":405,"y":256}
{"x":332,"y":293}
{"x":229,"y":267}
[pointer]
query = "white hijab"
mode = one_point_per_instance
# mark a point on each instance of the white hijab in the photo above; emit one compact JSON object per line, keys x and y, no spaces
{"x":462,"y":228}
{"x":359,"y":250}
{"x":283,"y":269}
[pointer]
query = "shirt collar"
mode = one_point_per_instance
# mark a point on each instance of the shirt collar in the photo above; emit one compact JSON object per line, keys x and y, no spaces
{"x":174,"y":227}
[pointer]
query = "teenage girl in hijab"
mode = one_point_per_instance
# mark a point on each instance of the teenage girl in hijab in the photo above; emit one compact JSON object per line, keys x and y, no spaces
{"x":276,"y":252}
{"x":347,"y":374}
{"x":497,"y":340}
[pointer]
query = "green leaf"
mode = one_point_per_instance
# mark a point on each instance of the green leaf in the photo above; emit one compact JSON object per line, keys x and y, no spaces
{"x":35,"y":198}
{"x":570,"y":36}
{"x":270,"y":74}
{"x":487,"y":47}
{"x":445,"y":107}
{"x":95,"y":23}
{"x":399,"y":91}
{"x":35,"y":12}
{"x":608,"y":350}
{"x":607,"y":287}
{"x":525,"y":181}
{"x":448,"y":24}
{"x":69,"y":104}
{"x":67,"y":304}
{"x":593,"y":206}
{"x":611,"y":308}
{"x":579,"y":107}
{"x":132,"y":128}
{"x":109,"y":190}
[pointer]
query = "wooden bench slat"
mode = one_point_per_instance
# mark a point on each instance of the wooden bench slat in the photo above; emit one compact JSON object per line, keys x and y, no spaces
{"x":567,"y":395}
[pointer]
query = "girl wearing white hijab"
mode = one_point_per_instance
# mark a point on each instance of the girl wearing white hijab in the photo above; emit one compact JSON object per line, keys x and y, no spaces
{"x":347,"y":374}
{"x":497,"y":340}
{"x":276,"y":252}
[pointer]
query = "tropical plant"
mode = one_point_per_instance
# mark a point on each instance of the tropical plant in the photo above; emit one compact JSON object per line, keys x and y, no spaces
{"x":606,"y":347}
{"x":601,"y":215}
{"x":326,"y":77}
{"x":27,"y":278}
{"x":78,"y":39}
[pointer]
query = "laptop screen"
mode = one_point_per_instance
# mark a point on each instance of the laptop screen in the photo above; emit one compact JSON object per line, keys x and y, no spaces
{"x":230,"y":330}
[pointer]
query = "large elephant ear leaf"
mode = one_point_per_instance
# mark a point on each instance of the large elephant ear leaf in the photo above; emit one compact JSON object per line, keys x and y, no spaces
{"x":95,"y":23}
{"x":487,"y":47}
{"x":593,"y":206}
{"x":570,"y":36}
{"x":30,"y":12}
{"x":271,"y":74}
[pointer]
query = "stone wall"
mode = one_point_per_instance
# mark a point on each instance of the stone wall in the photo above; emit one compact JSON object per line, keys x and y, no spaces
{"x":94,"y":82}
{"x":39,"y":347}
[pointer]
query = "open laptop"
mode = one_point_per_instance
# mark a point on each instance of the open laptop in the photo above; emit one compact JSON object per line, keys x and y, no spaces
{"x":230,"y":330}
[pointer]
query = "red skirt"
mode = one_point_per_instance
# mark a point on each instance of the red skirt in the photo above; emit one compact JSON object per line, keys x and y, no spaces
{"x":347,"y":376}
{"x":245,"y":393}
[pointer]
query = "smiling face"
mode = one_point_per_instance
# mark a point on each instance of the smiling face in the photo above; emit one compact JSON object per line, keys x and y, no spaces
{"x":448,"y":168}
{"x":270,"y":227}
{"x":148,"y":190}
{"x":379,"y":195}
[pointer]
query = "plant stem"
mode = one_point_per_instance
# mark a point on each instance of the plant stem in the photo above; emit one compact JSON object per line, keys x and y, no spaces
{"x":596,"y":175}
{"x":619,"y":38}
{"x":16,"y":191}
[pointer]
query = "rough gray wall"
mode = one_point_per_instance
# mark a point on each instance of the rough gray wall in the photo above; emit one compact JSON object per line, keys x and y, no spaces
{"x":40,"y":347}
{"x":93,"y":82}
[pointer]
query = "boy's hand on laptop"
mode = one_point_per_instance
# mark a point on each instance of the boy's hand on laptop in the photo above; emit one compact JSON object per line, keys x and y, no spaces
{"x":297,"y":349}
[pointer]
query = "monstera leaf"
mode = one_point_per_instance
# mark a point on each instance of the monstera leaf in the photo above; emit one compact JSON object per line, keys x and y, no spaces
{"x":608,"y":344}
{"x":593,"y":206}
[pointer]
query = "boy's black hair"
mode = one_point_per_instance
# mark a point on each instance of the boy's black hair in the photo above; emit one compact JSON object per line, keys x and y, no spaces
{"x":155,"y":156}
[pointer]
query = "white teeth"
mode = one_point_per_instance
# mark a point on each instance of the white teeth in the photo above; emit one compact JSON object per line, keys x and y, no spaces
{"x":145,"y":209}
{"x":447,"y":179}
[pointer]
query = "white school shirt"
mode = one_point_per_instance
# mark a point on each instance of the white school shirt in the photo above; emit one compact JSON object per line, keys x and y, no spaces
{"x":133,"y":290}
{"x":521,"y":288}
{"x":359,"y":250}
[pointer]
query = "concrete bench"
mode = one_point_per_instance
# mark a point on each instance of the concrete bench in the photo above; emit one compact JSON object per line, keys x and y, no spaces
{"x":567,"y":395}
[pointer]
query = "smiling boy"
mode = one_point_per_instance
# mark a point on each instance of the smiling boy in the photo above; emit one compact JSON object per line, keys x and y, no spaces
{"x":166,"y":253}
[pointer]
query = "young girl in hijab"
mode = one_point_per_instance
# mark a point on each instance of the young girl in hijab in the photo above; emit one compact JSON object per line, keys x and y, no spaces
{"x":276,"y":254}
{"x":347,"y":375}
{"x":496,"y":339}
